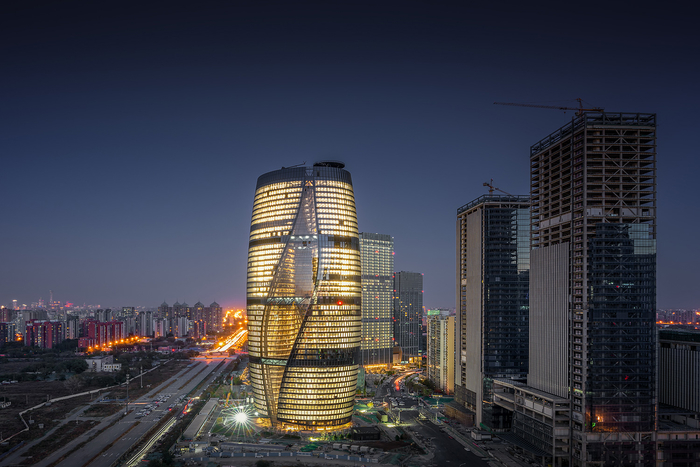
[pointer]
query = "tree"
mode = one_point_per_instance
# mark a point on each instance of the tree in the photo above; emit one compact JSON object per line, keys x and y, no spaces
{"x":67,"y":345}
{"x":76,"y":365}
{"x":167,"y":457}
{"x":73,"y":383}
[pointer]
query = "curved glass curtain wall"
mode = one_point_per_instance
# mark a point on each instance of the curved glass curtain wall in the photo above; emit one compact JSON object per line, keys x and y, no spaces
{"x":303,"y":292}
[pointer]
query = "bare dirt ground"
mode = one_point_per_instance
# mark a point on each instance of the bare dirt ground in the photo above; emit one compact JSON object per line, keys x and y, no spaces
{"x":58,"y":438}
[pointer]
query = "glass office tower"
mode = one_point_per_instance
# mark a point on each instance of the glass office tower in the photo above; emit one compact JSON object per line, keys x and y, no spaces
{"x":408,"y":312}
{"x":303,"y":297}
{"x":493,"y":247}
{"x":377,"y":298}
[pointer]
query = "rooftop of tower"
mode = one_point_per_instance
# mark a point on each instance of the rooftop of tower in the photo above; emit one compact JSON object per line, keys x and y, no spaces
{"x":595,"y":119}
{"x":495,"y":198}
{"x":336,"y":164}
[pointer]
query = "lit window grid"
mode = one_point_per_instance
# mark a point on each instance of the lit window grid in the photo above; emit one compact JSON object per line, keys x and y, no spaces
{"x":262,"y":272}
{"x":377,"y":335}
{"x":330,"y":395}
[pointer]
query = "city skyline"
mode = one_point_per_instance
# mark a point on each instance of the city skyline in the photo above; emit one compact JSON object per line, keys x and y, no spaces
{"x":132,"y":135}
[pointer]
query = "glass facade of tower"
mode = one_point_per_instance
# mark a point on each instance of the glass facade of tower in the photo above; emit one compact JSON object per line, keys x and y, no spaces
{"x":377,"y":298}
{"x":494,"y":274}
{"x":592,"y":301}
{"x":304,"y":297}
{"x":408,"y":312}
{"x":621,"y":313}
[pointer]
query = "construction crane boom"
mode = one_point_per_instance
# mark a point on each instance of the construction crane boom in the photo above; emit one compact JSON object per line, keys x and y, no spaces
{"x":492,"y":188}
{"x":579,"y":110}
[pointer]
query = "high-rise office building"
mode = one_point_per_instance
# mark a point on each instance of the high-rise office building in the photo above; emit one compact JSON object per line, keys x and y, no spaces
{"x":303,"y":297}
{"x":377,"y":252}
{"x":493,"y":251}
{"x":593,"y":285}
{"x":408,"y":313}
{"x":441,"y":350}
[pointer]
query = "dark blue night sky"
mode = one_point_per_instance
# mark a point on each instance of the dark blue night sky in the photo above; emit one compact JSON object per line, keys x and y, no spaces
{"x":133,"y":132}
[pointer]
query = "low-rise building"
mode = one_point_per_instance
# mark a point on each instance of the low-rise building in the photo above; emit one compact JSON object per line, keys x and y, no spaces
{"x":106,"y":363}
{"x":365,"y":433}
{"x":540,"y":421}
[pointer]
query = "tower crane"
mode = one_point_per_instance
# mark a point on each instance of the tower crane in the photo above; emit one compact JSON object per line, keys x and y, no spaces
{"x":492,"y":188}
{"x":579,"y":110}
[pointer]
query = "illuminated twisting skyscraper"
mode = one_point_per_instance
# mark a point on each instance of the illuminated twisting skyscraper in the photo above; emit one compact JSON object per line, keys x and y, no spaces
{"x":304,"y":292}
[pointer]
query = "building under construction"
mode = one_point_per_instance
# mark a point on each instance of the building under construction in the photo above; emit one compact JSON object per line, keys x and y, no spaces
{"x":590,"y":398}
{"x":593,"y":190}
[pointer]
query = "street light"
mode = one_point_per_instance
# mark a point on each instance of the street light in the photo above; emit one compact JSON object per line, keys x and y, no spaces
{"x":126,"y":410}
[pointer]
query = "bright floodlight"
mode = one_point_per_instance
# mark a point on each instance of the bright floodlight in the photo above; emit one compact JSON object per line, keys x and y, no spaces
{"x":241,"y":417}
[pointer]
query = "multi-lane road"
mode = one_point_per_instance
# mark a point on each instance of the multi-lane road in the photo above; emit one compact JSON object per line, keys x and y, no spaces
{"x":118,"y":438}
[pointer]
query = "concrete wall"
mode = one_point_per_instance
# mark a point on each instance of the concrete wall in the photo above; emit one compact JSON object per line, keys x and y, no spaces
{"x":549,"y":319}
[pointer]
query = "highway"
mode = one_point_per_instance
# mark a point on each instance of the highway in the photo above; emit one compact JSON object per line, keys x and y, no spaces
{"x":114,"y":441}
{"x":236,"y":340}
